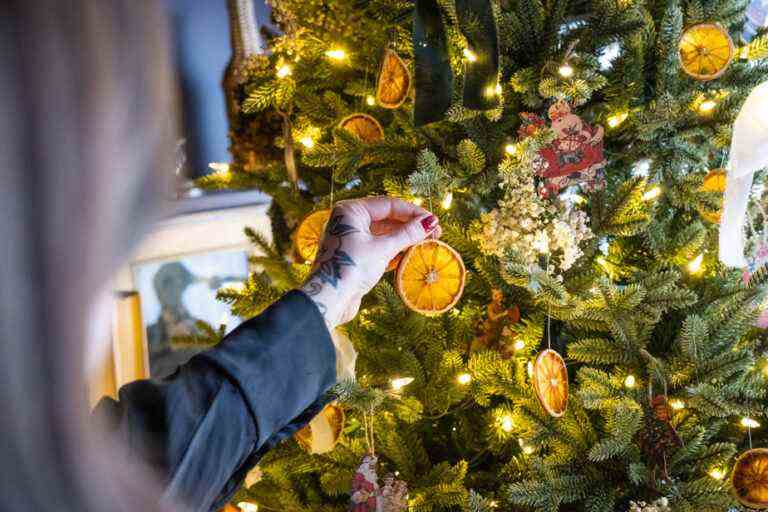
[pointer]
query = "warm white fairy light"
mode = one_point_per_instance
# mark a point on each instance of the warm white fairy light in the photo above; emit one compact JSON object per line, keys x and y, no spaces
{"x":519,"y":344}
{"x":677,"y":404}
{"x":418,"y":201}
{"x":652,"y":193}
{"x":400,"y":382}
{"x":370,"y":100}
{"x":469,"y":55}
{"x":336,"y":54}
{"x":707,"y":106}
{"x":530,"y":368}
{"x":630,"y":381}
{"x":246,"y":506}
{"x":493,"y":504}
{"x":510,"y":148}
{"x":616,"y":119}
{"x":717,"y":473}
{"x":307,"y":142}
{"x":284,"y":71}
{"x":566,"y":70}
{"x":748,"y":422}
{"x":497,"y":89}
{"x":696,"y":264}
{"x":506,"y":423}
{"x":464,"y":379}
{"x":527,"y":449}
{"x":447,"y":201}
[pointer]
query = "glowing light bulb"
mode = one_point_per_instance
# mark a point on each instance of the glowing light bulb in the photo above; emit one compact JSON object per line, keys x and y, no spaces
{"x":717,"y":473}
{"x":464,"y":379}
{"x":284,"y":71}
{"x":630,"y":381}
{"x":370,"y":100}
{"x":447,"y":201}
{"x":616,"y":119}
{"x":221,"y":167}
{"x":748,"y":422}
{"x":418,"y":201}
{"x":695,"y":265}
{"x":602,"y":261}
{"x":400,"y":382}
{"x":707,"y":106}
{"x":530,"y":369}
{"x":527,"y":449}
{"x":307,"y":142}
{"x":511,"y":149}
{"x":566,"y":71}
{"x":248,"y":507}
{"x":336,"y":54}
{"x":506,"y":423}
{"x":469,"y":55}
{"x":493,"y":504}
{"x":652,"y":193}
{"x":497,"y":89}
{"x":519,"y":345}
{"x":677,"y":404}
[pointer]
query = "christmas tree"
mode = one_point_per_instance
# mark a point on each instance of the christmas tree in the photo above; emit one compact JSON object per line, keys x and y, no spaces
{"x":571,"y":151}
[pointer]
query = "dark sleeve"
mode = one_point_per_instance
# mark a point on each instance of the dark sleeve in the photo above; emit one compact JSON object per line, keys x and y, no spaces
{"x":203,"y":427}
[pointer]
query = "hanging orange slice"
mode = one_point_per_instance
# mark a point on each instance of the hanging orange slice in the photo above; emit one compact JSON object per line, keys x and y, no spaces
{"x":394,"y":81}
{"x":550,"y":381}
{"x":714,"y":181}
{"x":750,"y":478}
{"x":705,"y":51}
{"x":322,"y":433}
{"x":306,"y":239}
{"x":363,"y":126}
{"x":430,"y":278}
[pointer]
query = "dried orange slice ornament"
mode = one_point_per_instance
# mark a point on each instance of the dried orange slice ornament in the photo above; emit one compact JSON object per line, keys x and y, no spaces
{"x":705,"y":51}
{"x":714,"y":181}
{"x":394,"y":81}
{"x":322,"y":433}
{"x":550,"y":381}
{"x":364,"y":127}
{"x":430,"y":278}
{"x":750,"y":478}
{"x":306,"y":239}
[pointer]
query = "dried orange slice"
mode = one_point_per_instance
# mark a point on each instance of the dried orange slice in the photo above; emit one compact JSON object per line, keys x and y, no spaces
{"x":322,"y":433}
{"x":714,"y":181}
{"x":430,"y":277}
{"x":363,"y":126}
{"x":705,"y":51}
{"x":306,"y":239}
{"x":394,"y":81}
{"x":750,"y":478}
{"x":550,"y":381}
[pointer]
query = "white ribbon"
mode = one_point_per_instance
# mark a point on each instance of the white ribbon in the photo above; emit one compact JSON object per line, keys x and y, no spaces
{"x":748,"y":154}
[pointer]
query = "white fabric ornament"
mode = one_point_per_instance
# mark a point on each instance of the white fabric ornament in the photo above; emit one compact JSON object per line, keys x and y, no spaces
{"x":749,"y":154}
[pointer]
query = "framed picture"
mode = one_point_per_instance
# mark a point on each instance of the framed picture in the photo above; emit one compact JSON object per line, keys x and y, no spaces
{"x":176,"y":273}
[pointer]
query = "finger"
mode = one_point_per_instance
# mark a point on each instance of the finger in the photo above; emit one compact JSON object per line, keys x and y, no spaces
{"x":383,"y":207}
{"x":409,"y":234}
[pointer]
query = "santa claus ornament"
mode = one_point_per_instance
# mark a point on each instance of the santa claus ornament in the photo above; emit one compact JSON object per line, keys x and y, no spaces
{"x":575,"y":156}
{"x":367,"y":496}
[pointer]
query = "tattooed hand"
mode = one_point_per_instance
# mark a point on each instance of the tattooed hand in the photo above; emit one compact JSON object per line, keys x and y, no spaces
{"x":361,"y":237}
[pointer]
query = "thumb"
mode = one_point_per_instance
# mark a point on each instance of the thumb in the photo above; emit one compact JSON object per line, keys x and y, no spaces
{"x":409,"y":234}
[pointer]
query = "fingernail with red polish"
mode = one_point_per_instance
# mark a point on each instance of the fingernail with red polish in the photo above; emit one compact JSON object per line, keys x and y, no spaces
{"x":429,"y":223}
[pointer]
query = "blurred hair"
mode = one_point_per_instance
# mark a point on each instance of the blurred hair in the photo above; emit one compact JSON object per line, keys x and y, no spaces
{"x":86,"y":135}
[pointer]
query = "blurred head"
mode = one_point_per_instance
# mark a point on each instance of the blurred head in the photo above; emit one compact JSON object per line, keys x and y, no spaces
{"x":86,"y":136}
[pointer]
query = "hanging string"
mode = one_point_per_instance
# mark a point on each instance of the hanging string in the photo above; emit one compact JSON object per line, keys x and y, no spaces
{"x":549,"y":311}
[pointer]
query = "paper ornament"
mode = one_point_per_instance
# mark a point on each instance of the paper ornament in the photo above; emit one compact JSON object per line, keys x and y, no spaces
{"x":575,"y":156}
{"x":750,"y":478}
{"x":394,"y":81}
{"x":322,"y":433}
{"x":748,"y":154}
{"x":366,"y":496}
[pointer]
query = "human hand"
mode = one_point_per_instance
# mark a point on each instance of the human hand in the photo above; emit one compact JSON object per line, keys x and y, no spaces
{"x":360,"y":239}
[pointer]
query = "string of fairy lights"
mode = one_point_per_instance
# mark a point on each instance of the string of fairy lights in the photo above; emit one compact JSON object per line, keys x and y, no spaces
{"x":704,"y":104}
